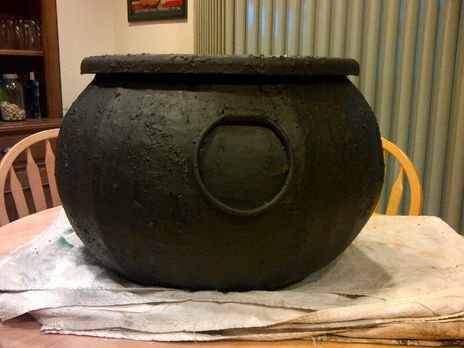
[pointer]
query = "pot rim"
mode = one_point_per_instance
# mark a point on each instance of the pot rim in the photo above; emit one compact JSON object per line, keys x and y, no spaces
{"x":252,"y":65}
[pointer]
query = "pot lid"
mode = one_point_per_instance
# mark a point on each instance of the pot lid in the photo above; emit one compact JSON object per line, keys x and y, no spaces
{"x":219,"y":65}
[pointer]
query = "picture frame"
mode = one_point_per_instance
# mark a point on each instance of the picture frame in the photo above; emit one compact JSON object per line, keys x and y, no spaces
{"x":154,"y":10}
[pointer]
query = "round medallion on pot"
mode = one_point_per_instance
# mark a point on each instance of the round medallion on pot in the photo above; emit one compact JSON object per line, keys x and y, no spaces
{"x":218,"y":172}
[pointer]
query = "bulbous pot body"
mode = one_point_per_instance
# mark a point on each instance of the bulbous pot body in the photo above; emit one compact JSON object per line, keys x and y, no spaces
{"x":228,"y":173}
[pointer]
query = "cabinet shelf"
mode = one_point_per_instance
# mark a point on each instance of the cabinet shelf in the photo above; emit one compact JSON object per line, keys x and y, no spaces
{"x":28,"y":125}
{"x":20,"y":53}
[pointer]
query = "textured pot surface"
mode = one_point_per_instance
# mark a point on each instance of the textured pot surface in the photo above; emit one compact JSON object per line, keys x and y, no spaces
{"x":229,"y":173}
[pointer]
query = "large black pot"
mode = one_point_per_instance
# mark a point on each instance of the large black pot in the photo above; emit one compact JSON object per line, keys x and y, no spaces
{"x":228,"y":173}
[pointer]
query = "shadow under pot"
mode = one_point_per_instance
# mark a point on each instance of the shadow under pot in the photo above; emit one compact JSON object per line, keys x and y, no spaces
{"x":218,"y":172}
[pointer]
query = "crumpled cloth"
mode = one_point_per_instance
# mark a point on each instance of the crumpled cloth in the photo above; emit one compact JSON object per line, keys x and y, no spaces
{"x":401,"y":279}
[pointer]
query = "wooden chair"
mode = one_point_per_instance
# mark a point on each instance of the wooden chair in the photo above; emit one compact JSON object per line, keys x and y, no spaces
{"x":396,"y":192}
{"x":33,"y":176}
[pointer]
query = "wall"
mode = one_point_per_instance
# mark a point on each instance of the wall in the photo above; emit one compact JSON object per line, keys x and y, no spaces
{"x":85,"y":28}
{"x":171,"y":36}
{"x":89,"y":27}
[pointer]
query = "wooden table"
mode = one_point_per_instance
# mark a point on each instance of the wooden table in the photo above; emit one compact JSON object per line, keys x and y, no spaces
{"x":24,"y":331}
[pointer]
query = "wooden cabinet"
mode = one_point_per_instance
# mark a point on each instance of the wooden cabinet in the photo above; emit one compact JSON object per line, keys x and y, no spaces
{"x":46,"y":62}
{"x":46,"y":65}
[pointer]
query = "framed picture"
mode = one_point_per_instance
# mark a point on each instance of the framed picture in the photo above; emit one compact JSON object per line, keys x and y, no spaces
{"x":152,"y":10}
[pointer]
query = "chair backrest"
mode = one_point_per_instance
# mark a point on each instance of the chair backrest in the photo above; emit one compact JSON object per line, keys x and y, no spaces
{"x":33,"y":176}
{"x":396,"y":192}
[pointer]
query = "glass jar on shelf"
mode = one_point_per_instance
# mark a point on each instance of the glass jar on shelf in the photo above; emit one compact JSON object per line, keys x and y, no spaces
{"x":20,"y":43}
{"x":7,"y":34}
{"x":12,"y":99}
{"x":4,"y":41}
{"x":36,"y":35}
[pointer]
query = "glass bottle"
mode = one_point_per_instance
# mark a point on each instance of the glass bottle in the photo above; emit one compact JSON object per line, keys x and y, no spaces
{"x":12,"y":99}
{"x":33,"y":97}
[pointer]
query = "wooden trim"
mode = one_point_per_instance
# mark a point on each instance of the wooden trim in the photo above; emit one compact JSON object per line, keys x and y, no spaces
{"x":51,"y":59}
{"x":20,"y":53}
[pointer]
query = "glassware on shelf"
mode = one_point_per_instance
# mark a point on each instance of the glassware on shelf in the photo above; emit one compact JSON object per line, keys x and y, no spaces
{"x":12,"y":99}
{"x":7,"y":34}
{"x":3,"y":34}
{"x":37,"y":35}
{"x":29,"y":38}
{"x":21,"y":34}
{"x":33,"y":96}
{"x":32,"y":37}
